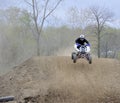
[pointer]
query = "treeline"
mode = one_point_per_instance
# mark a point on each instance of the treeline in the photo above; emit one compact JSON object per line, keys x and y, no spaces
{"x":17,"y":42}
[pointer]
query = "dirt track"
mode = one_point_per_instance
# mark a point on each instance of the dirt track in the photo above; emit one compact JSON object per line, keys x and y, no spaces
{"x":58,"y":80}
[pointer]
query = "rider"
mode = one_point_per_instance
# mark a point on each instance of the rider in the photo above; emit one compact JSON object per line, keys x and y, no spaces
{"x":81,"y":41}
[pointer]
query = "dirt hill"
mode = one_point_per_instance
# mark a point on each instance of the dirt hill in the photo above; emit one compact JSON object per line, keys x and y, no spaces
{"x":59,"y":80}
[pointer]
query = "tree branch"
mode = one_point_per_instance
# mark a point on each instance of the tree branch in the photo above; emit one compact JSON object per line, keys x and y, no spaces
{"x":53,"y":8}
{"x":28,"y":3}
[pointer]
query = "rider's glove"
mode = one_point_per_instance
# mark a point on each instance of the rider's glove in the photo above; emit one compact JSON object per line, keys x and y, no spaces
{"x":88,"y":45}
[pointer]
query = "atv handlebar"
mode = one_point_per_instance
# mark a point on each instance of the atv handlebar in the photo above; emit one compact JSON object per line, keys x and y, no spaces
{"x":82,"y":45}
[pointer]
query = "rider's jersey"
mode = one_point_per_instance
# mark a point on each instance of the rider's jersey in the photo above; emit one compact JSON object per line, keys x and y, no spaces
{"x":81,"y":42}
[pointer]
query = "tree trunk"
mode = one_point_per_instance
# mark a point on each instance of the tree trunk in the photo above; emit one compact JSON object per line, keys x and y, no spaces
{"x":106,"y":50}
{"x":114,"y":54}
{"x":38,"y":46}
{"x":98,"y":44}
{"x":7,"y":98}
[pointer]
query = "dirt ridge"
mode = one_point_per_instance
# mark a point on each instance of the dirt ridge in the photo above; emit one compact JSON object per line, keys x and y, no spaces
{"x":58,"y":80}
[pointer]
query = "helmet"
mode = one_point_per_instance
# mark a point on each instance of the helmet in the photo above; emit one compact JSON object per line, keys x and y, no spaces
{"x":82,"y":36}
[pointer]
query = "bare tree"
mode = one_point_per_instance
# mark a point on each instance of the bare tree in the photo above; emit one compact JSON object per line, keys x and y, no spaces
{"x":73,"y":17}
{"x":39,"y":16}
{"x":78,"y":18}
{"x":100,"y":16}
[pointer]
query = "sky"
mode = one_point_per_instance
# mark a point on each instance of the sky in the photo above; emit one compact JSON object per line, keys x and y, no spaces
{"x":112,"y":5}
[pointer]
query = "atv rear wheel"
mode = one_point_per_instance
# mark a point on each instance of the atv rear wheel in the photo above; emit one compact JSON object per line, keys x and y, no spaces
{"x":90,"y":60}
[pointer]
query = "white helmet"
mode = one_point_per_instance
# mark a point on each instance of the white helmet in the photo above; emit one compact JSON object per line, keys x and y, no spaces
{"x":82,"y":36}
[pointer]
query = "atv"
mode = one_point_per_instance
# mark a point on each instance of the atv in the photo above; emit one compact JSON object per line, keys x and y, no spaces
{"x":81,"y":54}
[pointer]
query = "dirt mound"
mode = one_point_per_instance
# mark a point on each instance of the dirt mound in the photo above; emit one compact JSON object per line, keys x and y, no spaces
{"x":58,"y":80}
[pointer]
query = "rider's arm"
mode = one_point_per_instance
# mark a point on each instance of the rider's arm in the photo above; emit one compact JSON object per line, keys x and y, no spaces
{"x":87,"y":42}
{"x":76,"y":41}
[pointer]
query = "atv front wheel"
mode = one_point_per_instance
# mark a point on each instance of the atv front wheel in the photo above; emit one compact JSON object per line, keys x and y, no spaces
{"x":74,"y":57}
{"x":89,"y":58}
